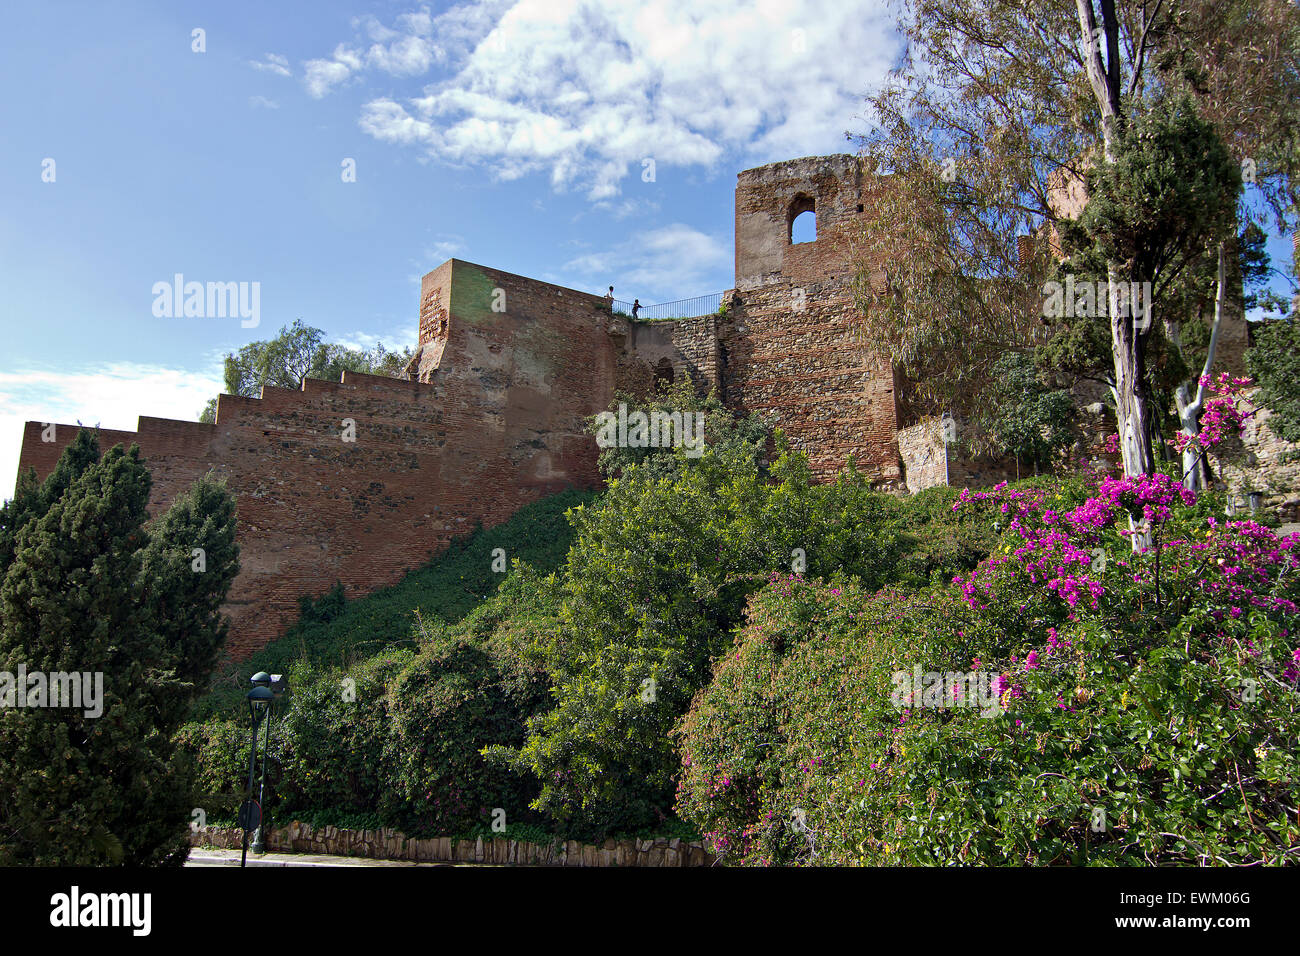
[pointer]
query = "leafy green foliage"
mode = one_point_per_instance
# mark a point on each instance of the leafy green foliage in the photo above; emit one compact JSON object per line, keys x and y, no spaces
{"x":396,"y":740}
{"x":1160,"y":727}
{"x":334,"y":631}
{"x":186,"y":571}
{"x":334,"y":732}
{"x":1027,"y":420}
{"x":722,"y":429}
{"x":88,"y":589}
{"x":296,"y":353}
{"x":216,"y":751}
{"x":1170,"y":190}
{"x":1274,"y":362}
{"x":655,"y":583}
{"x":461,"y":695}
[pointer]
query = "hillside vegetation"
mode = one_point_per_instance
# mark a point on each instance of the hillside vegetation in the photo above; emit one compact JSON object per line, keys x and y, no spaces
{"x":726,"y":649}
{"x":335,"y":631}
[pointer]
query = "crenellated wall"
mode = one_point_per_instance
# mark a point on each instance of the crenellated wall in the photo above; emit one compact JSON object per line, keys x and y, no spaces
{"x":361,"y":480}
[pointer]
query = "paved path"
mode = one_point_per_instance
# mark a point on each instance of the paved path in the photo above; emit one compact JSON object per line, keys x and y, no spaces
{"x":211,"y":857}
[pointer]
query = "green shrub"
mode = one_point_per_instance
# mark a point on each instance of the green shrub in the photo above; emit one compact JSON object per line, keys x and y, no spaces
{"x":335,"y":735}
{"x":333,"y":631}
{"x":655,"y":584}
{"x":805,"y":694}
{"x":1154,"y":728}
{"x":934,"y":541}
{"x":217,"y":748}
{"x":395,"y":740}
{"x":471,"y":687}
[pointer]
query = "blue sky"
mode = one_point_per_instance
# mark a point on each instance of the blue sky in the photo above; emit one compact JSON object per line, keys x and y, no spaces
{"x":515,"y":133}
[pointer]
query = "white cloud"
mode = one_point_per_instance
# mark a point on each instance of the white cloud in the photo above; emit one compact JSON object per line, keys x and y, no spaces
{"x":587,"y":89}
{"x":273,"y":63}
{"x":262,"y":101}
{"x":112,"y":396}
{"x":444,"y":249}
{"x":403,"y":335}
{"x":659,"y":265}
{"x":409,"y":56}
{"x":321,"y":76}
{"x":628,"y":207}
{"x":412,"y":47}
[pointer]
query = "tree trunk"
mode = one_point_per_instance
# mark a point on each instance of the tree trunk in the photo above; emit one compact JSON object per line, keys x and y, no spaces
{"x":1127,"y":343}
{"x":1133,"y":409}
{"x":1189,"y":408}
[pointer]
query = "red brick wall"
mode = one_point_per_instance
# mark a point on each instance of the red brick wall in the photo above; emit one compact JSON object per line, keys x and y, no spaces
{"x":492,"y":413}
{"x":789,"y":346}
{"x":498,"y":423}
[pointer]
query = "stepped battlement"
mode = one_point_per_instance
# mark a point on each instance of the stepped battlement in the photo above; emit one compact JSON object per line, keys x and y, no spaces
{"x":359,"y":480}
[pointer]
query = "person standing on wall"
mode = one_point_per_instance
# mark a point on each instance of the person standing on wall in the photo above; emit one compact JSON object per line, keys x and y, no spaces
{"x":636,"y":307}
{"x":609,"y":298}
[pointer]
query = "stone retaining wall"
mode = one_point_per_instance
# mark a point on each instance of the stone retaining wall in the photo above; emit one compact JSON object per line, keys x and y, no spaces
{"x":390,"y":844}
{"x":1271,"y":466}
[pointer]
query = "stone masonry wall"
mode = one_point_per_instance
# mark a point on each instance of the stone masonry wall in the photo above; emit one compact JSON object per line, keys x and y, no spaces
{"x":790,"y":349}
{"x":1269,"y":464}
{"x":392,"y":845}
{"x":920,"y":447}
{"x":681,"y":349}
{"x":804,"y":370}
{"x":495,"y":425}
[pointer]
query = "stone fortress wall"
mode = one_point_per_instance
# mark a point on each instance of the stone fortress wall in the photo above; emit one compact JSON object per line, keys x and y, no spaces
{"x":362,"y":480}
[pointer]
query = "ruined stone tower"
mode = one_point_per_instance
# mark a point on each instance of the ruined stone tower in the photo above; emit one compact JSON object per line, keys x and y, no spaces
{"x":791,"y":349}
{"x":491,"y":413}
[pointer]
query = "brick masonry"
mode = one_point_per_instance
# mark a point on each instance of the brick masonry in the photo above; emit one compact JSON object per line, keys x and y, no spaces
{"x":492,"y":421}
{"x":789,"y":349}
{"x":491,"y":414}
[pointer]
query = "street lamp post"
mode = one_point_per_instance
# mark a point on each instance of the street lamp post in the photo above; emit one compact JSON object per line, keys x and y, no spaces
{"x":250,"y":814}
{"x":275,"y":684}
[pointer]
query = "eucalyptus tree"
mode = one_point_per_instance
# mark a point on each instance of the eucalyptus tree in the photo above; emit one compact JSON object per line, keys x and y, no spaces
{"x":989,"y":127}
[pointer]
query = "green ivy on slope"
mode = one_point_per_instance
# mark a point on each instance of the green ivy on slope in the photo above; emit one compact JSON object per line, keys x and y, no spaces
{"x":335,"y":631}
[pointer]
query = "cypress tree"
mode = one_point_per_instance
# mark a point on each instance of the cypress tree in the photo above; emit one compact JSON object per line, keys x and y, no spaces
{"x":90,"y":589}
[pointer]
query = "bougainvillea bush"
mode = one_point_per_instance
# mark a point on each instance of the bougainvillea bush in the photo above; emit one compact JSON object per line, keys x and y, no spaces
{"x":1143,"y":708}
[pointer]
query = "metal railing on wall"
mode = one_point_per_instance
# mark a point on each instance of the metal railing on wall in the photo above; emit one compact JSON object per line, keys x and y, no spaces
{"x":681,"y":309}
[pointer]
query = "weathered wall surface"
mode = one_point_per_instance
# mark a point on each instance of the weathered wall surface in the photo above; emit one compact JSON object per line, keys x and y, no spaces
{"x":495,"y":424}
{"x":492,"y":414}
{"x":1268,"y":464}
{"x":667,"y":351}
{"x":921,"y":450}
{"x":789,"y":346}
{"x":803,"y":368}
{"x":928,"y":462}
